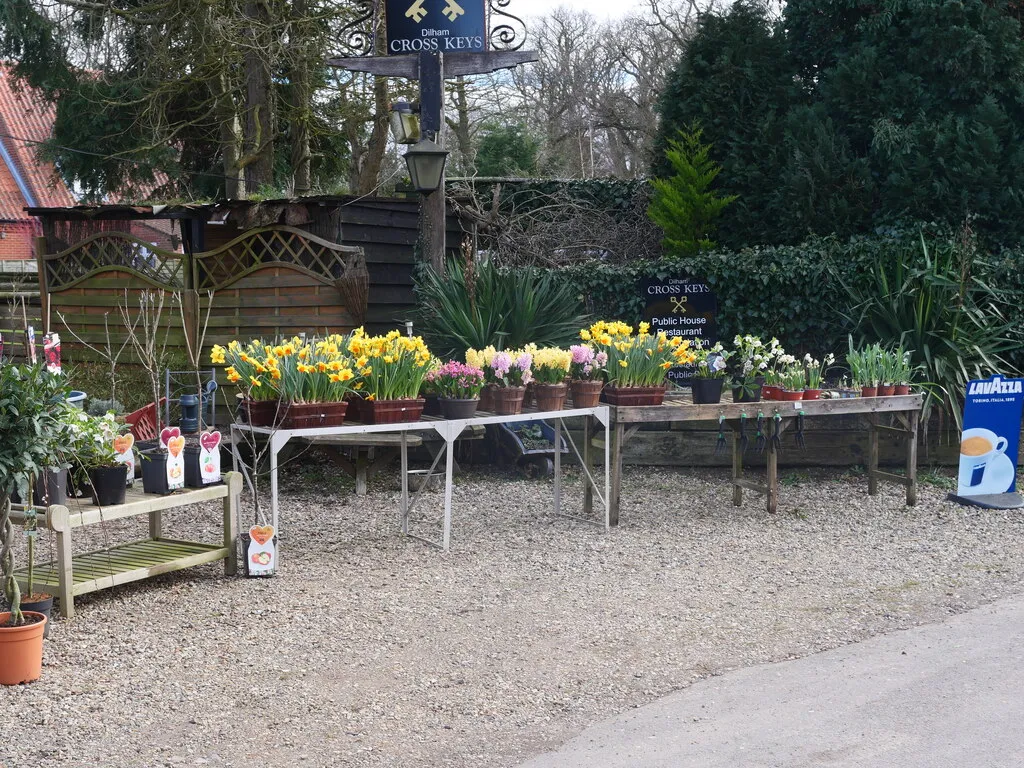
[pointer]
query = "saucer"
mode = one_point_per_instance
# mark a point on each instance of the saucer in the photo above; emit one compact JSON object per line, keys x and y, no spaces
{"x":998,"y":478}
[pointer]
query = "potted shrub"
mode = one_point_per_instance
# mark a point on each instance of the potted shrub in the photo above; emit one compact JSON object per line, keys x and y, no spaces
{"x":637,"y":365}
{"x":550,"y":372}
{"x":710,"y":368}
{"x":511,"y":371}
{"x":458,"y":388}
{"x":586,"y":374}
{"x":31,"y":428}
{"x":815,"y":375}
{"x":392,"y":368}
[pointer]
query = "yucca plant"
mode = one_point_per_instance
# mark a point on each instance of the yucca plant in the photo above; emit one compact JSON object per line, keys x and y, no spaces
{"x":487,"y":305}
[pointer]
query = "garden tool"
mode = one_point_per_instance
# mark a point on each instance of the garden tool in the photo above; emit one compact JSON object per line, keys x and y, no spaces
{"x":720,"y":444}
{"x":777,"y":433}
{"x":743,"y":433}
{"x":761,"y":442}
{"x":800,"y":430}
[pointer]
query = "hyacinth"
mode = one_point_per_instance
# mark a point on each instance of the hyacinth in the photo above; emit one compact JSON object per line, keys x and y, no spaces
{"x":551,"y":365}
{"x":457,"y":380}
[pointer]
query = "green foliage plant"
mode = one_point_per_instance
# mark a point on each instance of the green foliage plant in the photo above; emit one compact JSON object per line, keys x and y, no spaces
{"x":686,"y":205}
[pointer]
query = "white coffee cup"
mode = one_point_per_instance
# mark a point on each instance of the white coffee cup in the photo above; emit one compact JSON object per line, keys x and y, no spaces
{"x":972,"y":468}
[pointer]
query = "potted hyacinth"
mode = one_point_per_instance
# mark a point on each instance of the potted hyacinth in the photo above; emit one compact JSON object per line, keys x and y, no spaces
{"x":512,"y":371}
{"x":586,"y":374}
{"x":458,"y":388}
{"x":710,"y":367}
{"x":482,"y":359}
{"x":550,"y":369}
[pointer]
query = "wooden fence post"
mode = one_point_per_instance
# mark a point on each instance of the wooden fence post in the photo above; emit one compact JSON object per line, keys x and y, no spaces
{"x":44,"y":289}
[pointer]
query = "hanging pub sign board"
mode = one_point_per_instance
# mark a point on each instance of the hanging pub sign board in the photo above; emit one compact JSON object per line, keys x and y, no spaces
{"x":436,"y":26}
{"x":681,"y":306}
{"x":991,"y":436}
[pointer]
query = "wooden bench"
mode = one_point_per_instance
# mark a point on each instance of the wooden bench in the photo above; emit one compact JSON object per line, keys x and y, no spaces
{"x":74,"y":574}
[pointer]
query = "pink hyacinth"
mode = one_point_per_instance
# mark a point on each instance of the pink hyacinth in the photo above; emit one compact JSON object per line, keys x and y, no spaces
{"x":524,"y":362}
{"x":601,"y":358}
{"x":582,"y":354}
{"x":501,"y":362}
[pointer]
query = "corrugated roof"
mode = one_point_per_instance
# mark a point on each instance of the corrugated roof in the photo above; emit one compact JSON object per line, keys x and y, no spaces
{"x":29,"y":119}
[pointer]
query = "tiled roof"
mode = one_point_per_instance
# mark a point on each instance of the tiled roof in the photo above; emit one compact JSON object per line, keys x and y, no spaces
{"x":29,"y":119}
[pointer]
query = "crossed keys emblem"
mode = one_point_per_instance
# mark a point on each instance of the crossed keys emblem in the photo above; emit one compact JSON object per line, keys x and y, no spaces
{"x":678,"y":304}
{"x":417,"y":12}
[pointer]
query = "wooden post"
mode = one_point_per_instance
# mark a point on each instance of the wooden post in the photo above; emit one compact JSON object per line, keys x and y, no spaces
{"x":913,"y":420}
{"x":433,"y":219}
{"x":57,"y":519}
{"x":618,"y":431}
{"x":737,"y":469}
{"x":44,"y":291}
{"x":156,"y":524}
{"x":234,"y":483}
{"x":872,"y":454}
{"x":588,"y":462}
{"x":362,"y":462}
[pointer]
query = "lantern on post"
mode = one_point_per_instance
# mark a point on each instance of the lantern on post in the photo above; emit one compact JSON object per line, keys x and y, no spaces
{"x":426,"y":161}
{"x":405,"y":123}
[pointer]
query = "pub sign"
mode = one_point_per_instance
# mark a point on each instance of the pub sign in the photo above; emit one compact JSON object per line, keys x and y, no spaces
{"x":441,"y":26}
{"x":681,"y":306}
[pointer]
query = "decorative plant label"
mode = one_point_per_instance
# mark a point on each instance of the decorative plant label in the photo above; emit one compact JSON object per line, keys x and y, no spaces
{"x":209,"y":457}
{"x":31,"y":334}
{"x":123,"y":454}
{"x":51,"y":352}
{"x":261,"y":556}
{"x":988,"y":446}
{"x":175,"y":462}
{"x":166,"y":434}
{"x":681,"y":306}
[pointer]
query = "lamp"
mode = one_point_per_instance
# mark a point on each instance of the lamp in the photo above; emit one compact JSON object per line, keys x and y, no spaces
{"x":426,"y":161}
{"x":405,"y":124}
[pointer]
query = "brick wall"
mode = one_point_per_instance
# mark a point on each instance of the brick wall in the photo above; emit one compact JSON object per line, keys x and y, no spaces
{"x":16,"y":240}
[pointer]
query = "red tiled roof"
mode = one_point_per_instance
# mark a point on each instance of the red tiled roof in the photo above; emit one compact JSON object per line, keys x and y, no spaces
{"x":25,"y":116}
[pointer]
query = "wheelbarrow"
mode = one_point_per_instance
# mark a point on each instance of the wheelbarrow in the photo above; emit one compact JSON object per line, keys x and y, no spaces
{"x":530,"y":446}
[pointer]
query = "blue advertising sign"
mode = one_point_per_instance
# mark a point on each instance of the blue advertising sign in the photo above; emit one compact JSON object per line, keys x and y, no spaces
{"x":442,"y":26}
{"x":988,"y":447}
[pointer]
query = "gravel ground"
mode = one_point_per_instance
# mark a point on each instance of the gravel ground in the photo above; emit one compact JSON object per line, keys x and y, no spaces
{"x":370,"y":649}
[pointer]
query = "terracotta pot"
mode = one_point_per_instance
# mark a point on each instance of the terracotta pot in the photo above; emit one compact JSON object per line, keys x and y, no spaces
{"x":260,"y":413}
{"x":393,"y":411}
{"x":508,"y":400}
{"x":771,"y":392}
{"x":886,"y":390}
{"x":21,"y":650}
{"x":311,"y":415}
{"x":487,"y":398}
{"x":550,"y":397}
{"x":901,"y":389}
{"x":868,"y":391}
{"x":586,"y":394}
{"x":458,"y":408}
{"x":792,"y":395}
{"x":627,"y":396}
{"x":812,"y":394}
{"x":706,"y":391}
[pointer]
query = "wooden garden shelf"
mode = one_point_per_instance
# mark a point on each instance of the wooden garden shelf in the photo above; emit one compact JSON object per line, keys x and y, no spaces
{"x":71,"y":575}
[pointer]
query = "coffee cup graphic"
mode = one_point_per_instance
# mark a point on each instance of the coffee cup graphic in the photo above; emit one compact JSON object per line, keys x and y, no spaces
{"x":977,"y":448}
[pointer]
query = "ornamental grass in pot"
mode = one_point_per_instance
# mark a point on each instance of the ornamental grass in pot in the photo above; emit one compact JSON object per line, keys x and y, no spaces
{"x":586,"y":375}
{"x":550,"y":369}
{"x":458,"y":388}
{"x":637,"y":364}
{"x":392,"y":369}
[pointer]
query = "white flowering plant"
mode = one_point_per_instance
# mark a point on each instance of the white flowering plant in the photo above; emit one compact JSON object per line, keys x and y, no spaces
{"x":711,"y":361}
{"x":817,"y":370}
{"x":751,"y":358}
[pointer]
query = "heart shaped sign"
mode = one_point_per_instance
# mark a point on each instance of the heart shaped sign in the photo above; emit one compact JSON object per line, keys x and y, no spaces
{"x":167,"y":433}
{"x":123,"y":443}
{"x":209,"y":440}
{"x":261,"y":534}
{"x":175,"y":445}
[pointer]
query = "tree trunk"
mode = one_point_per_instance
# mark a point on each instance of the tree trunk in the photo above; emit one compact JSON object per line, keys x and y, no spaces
{"x":258,"y":161}
{"x":301,"y":94}
{"x":460,"y":127}
{"x":366,"y":171}
{"x":230,"y":130}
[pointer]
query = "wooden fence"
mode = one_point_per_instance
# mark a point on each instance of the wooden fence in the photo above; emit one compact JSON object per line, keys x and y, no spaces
{"x":19,"y":302}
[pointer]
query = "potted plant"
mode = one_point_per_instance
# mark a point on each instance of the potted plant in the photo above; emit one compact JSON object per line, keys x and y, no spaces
{"x":815,"y":374}
{"x":511,"y":371}
{"x":637,"y":365}
{"x":904,"y":373}
{"x":862,"y":370}
{"x":550,"y":371}
{"x":887,"y":372}
{"x":458,"y":388}
{"x":312,"y":379}
{"x":482,"y":359}
{"x":710,"y":366}
{"x":30,"y":425}
{"x":431,"y":397}
{"x":392,"y":368}
{"x":750,"y":360}
{"x":95,"y":455}
{"x":255,"y":381}
{"x":794,"y":381}
{"x":586,"y":375}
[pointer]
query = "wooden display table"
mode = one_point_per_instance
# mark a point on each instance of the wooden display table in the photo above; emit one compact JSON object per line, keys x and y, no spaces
{"x":903,"y":410}
{"x":74,"y":574}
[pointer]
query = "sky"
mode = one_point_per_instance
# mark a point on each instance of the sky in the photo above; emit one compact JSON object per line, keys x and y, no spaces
{"x":599,"y":8}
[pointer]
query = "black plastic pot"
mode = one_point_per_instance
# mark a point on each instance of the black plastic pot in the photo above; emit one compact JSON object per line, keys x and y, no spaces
{"x":706,"y":391}
{"x":457,"y":408}
{"x":154,"y":471}
{"x":108,"y":485}
{"x":56,"y":490}
{"x":432,"y":406}
{"x":41,"y":606}
{"x":193,"y":474}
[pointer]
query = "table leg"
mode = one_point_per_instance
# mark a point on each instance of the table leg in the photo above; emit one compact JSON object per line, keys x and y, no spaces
{"x":912,"y":458}
{"x":872,"y":455}
{"x":362,"y":462}
{"x":588,"y":491}
{"x":156,"y":524}
{"x":772,"y":472}
{"x":234,"y":483}
{"x":65,"y":576}
{"x":449,"y":459}
{"x":405,"y":483}
{"x":558,"y":466}
{"x":616,"y":473}
{"x":737,"y":469}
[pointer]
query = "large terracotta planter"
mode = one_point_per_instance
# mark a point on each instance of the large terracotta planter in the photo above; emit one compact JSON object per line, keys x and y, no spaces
{"x":487,"y":398}
{"x":260,"y":413}
{"x":311,"y":415}
{"x":634,"y":395}
{"x":508,"y":400}
{"x":21,"y":650}
{"x":392,"y":411}
{"x":550,"y":397}
{"x":586,"y":394}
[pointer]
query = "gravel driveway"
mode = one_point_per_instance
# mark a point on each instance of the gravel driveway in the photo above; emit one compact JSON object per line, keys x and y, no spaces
{"x":370,"y":649}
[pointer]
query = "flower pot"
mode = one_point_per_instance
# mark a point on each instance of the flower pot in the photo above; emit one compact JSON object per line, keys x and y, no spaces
{"x":260,"y":413}
{"x":748,"y":394}
{"x":792,"y":395}
{"x":193,"y":470}
{"x":886,"y":390}
{"x":393,"y":411}
{"x":550,"y":397}
{"x":56,"y":488}
{"x":706,"y":391}
{"x":848,"y":393}
{"x":868,"y":391}
{"x":812,"y":394}
{"x":530,"y":397}
{"x":21,"y":649}
{"x":154,"y":471}
{"x":431,"y":405}
{"x":487,"y":398}
{"x":457,"y":407}
{"x":626,"y":396}
{"x":508,"y":400}
{"x":901,"y":389}
{"x":39,"y":603}
{"x":108,"y":485}
{"x":586,"y":394}
{"x":771,"y":392}
{"x":356,"y":408}
{"x":312,"y":415}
